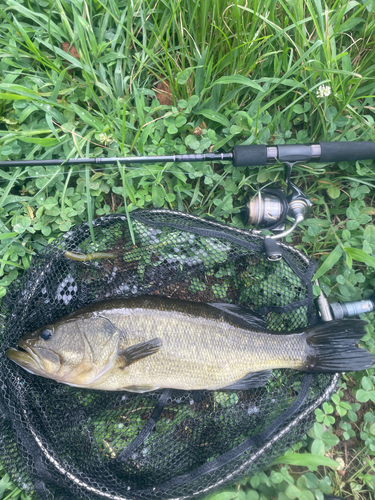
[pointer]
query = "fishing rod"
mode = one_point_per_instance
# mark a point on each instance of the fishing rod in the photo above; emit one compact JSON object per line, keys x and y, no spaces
{"x":242,"y":156}
{"x":270,"y":208}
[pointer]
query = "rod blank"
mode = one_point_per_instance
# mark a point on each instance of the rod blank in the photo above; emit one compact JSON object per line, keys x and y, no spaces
{"x":122,"y":160}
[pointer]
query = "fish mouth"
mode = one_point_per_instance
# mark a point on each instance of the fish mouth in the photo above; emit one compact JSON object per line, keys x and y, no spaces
{"x":28,"y":358}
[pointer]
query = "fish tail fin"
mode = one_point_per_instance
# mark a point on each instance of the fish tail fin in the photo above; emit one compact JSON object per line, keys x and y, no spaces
{"x":334,"y":347}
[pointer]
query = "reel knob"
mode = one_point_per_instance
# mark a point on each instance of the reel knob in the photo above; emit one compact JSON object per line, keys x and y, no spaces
{"x":299,"y":207}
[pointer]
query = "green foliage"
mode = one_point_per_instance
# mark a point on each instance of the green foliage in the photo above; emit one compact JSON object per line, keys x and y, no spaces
{"x":367,"y":392}
{"x":278,"y":484}
{"x":325,"y":415}
{"x":8,"y":490}
{"x":368,"y":431}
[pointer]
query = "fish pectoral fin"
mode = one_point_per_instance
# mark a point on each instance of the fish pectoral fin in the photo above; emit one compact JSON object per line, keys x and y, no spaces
{"x":250,"y":381}
{"x":242,"y":316}
{"x":140,"y":351}
{"x":139,"y":388}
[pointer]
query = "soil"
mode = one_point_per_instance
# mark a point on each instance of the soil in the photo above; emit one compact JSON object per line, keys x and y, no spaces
{"x":163,"y":93}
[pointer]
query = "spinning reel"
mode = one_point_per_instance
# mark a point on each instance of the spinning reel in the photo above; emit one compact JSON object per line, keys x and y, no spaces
{"x":270,"y":208}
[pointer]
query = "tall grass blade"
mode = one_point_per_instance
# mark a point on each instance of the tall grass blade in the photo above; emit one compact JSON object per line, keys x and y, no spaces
{"x":89,"y":204}
{"x":122,"y":173}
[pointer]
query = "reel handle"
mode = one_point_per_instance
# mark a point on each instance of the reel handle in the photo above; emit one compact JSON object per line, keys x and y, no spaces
{"x":324,"y":152}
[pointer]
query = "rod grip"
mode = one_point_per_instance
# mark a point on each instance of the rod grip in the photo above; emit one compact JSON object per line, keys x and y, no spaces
{"x":346,"y":151}
{"x":249,"y":156}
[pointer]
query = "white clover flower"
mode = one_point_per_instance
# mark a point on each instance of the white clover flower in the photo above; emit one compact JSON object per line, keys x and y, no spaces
{"x":105,"y":139}
{"x":323,"y":91}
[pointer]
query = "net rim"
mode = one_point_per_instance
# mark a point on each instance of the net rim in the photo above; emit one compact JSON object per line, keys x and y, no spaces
{"x":276,"y":437}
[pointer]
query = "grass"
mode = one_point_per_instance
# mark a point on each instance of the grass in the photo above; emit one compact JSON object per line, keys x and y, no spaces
{"x":81,"y":78}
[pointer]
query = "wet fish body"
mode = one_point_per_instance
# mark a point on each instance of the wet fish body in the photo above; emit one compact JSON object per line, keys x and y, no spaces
{"x":147,"y":343}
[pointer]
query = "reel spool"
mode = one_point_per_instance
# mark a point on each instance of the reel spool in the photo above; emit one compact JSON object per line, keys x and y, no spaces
{"x":270,"y":208}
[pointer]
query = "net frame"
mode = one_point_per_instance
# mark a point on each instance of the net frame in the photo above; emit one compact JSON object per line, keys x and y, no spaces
{"x":31,"y":458}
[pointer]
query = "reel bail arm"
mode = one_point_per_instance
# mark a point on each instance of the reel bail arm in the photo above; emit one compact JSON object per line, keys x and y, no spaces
{"x":298,"y":203}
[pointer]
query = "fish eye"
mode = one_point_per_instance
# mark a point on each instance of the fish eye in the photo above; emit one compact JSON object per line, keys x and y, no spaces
{"x":46,"y":333}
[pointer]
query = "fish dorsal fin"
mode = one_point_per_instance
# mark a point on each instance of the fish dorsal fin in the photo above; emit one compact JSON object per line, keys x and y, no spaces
{"x":140,"y":351}
{"x":242,"y":316}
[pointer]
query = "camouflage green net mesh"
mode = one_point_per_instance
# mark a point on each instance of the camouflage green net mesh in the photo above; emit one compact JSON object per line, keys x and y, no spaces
{"x":62,"y":442}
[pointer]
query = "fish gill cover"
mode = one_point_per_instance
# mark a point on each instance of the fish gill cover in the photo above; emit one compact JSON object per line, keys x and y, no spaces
{"x":58,"y":441}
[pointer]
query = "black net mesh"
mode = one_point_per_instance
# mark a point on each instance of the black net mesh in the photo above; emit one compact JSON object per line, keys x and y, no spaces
{"x":59,"y":441}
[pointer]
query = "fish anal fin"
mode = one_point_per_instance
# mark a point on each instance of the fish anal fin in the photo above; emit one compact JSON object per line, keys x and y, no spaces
{"x":139,"y":388}
{"x":250,"y":381}
{"x":140,"y":351}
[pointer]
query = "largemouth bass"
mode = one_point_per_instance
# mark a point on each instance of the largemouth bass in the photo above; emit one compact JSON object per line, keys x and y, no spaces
{"x":146,"y":343}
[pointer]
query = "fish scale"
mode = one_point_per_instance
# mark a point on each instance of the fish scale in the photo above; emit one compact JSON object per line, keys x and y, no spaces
{"x":147,"y":343}
{"x":200,"y":357}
